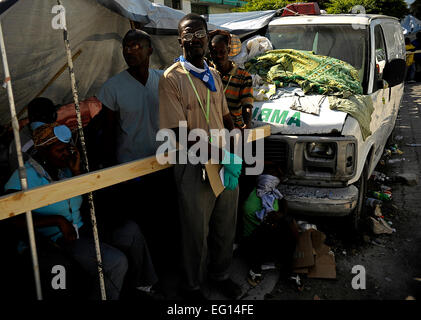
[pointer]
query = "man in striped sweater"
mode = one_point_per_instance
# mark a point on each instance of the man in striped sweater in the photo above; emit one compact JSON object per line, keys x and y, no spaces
{"x":237,"y":82}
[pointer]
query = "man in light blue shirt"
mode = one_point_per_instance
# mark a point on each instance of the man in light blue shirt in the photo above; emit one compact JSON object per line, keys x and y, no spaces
{"x":131,"y":110}
{"x":130,"y":102}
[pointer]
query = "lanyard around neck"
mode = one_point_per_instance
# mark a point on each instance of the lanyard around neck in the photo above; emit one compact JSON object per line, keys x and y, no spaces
{"x":198,"y":98}
{"x":226,"y":87}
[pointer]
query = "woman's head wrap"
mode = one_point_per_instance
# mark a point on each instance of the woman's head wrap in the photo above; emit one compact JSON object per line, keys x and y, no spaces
{"x":50,"y":133}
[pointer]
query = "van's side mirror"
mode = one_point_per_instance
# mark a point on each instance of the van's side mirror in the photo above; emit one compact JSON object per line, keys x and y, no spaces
{"x":394,"y":72}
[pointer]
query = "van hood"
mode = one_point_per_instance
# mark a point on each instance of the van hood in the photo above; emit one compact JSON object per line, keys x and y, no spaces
{"x":282,"y":119}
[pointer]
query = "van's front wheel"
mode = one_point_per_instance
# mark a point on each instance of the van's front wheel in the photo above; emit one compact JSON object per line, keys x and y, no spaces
{"x":357,"y":217}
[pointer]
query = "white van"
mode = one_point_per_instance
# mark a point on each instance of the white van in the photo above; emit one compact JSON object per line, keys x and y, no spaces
{"x":326,"y":159}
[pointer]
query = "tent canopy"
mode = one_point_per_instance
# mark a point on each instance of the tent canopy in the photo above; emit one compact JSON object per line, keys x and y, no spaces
{"x":36,"y":51}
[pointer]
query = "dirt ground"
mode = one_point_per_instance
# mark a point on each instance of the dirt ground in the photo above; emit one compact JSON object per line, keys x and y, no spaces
{"x":391,"y":261}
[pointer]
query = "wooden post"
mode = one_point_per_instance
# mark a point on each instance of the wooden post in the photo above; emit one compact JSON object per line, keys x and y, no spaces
{"x":22,"y":170}
{"x":84,"y":157}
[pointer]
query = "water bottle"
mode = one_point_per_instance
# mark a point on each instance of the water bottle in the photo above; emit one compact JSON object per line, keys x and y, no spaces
{"x":382,"y":195}
{"x":371,"y":202}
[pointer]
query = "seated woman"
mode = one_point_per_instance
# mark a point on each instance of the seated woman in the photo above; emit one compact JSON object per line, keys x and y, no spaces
{"x":124,"y":255}
{"x":237,"y":82}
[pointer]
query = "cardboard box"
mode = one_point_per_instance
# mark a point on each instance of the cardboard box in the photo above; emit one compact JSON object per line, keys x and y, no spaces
{"x":313,"y":257}
{"x":212,"y":171}
{"x":324,"y":267}
{"x":303,"y":256}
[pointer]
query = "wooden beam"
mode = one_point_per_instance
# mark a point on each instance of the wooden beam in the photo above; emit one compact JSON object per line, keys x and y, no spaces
{"x":22,"y":201}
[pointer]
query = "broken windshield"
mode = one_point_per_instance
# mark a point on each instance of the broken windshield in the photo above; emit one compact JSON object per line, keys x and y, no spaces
{"x":343,"y":42}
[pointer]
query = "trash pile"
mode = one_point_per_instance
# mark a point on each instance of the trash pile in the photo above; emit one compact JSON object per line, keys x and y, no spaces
{"x":380,"y":193}
{"x":389,"y":154}
{"x":378,"y":222}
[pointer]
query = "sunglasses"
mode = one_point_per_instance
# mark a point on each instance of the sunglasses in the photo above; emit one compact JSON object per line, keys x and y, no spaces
{"x":199,"y":34}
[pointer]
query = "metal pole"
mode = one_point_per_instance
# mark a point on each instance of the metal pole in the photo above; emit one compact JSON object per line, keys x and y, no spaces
{"x":85,"y":158}
{"x":22,"y":170}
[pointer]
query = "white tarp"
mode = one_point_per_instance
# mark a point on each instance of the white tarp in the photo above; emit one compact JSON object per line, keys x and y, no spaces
{"x":36,"y":51}
{"x":151,"y":15}
{"x":411,"y":25}
{"x":242,"y":22}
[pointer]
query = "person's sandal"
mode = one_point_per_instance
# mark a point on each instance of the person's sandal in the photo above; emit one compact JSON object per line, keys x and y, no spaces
{"x":254,"y":278}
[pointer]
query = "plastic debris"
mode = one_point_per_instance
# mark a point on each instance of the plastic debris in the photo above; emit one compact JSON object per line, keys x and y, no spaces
{"x":304,"y":225}
{"x":378,"y":212}
{"x":413,"y":144}
{"x":378,"y":176}
{"x":391,"y":161}
{"x":398,"y":138}
{"x":380,"y":226}
{"x":387,"y":196}
{"x":371,"y":202}
{"x":385,"y":188}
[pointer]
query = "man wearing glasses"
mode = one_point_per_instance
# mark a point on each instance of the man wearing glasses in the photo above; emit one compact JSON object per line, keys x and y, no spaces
{"x":191,"y":91}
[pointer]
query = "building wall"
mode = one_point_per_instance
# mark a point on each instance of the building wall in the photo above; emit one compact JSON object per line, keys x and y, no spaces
{"x":216,"y":9}
{"x":185,"y":5}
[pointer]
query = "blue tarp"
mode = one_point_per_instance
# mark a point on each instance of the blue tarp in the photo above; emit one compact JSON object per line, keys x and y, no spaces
{"x":411,"y":25}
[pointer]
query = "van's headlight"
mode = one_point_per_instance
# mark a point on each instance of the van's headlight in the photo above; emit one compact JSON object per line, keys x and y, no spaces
{"x":325,"y":158}
{"x":324,"y":150}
